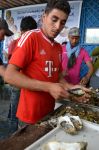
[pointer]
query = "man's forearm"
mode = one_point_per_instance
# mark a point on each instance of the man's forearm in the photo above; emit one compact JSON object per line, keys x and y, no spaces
{"x":90,"y":71}
{"x":2,"y":70}
{"x":21,"y":81}
{"x":65,"y":83}
{"x":89,"y":74}
{"x":14,"y":77}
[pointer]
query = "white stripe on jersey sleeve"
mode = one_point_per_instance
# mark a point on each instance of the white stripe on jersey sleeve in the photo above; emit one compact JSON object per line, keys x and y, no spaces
{"x":25,"y":36}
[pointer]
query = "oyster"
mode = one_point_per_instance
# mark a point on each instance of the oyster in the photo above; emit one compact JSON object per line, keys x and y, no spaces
{"x":70,"y":110}
{"x":54,"y":145}
{"x":66,"y":124}
{"x":76,"y":92}
{"x":77,"y":122}
{"x":83,"y":111}
{"x":94,"y":93}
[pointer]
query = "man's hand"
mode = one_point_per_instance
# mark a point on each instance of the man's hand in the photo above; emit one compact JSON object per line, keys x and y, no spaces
{"x":81,"y":87}
{"x":84,"y":80}
{"x":83,"y":99}
{"x":57,"y":91}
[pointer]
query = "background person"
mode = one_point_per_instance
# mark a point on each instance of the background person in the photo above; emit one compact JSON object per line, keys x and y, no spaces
{"x":72,"y":57}
{"x":94,"y":81}
{"x":4,"y":31}
{"x":27,"y":23}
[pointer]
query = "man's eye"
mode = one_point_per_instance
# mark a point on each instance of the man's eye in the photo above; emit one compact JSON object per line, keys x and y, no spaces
{"x":54,"y":19}
{"x":63,"y":23}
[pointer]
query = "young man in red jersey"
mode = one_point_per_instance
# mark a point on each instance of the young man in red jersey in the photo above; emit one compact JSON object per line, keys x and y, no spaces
{"x":38,"y":57}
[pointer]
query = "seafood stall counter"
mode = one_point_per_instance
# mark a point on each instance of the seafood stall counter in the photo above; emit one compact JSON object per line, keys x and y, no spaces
{"x":47,"y":128}
{"x":88,"y":134}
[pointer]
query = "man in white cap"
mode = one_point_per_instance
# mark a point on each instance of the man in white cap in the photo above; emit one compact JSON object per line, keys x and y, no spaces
{"x":72,"y":57}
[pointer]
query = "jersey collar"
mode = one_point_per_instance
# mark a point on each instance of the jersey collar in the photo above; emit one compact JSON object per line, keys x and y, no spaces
{"x":48,"y":40}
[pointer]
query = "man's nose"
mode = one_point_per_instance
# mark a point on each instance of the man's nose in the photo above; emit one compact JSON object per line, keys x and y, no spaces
{"x":58,"y":25}
{"x":74,"y":40}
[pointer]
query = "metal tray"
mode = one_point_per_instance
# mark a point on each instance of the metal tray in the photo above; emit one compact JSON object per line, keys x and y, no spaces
{"x":89,"y":134}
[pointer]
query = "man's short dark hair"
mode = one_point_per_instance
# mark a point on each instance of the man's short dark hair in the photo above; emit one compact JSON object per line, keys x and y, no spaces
{"x":58,"y":4}
{"x":28,"y":23}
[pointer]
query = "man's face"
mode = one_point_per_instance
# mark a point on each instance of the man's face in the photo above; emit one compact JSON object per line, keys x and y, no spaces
{"x":53,"y":23}
{"x":74,"y":40}
{"x":2,"y":34}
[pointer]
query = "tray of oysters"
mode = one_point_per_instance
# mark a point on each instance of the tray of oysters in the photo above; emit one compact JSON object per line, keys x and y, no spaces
{"x":84,"y":111}
{"x":83,"y":135}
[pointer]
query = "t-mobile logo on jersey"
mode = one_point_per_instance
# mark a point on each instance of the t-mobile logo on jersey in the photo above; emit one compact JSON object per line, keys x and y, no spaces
{"x":49,"y":68}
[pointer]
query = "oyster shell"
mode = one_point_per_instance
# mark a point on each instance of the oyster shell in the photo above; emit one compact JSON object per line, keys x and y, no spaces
{"x":66,"y":124}
{"x":77,"y":122}
{"x":54,"y":145}
{"x":76,"y":92}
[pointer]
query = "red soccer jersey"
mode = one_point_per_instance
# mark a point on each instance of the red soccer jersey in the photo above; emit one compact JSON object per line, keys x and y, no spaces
{"x":41,"y":60}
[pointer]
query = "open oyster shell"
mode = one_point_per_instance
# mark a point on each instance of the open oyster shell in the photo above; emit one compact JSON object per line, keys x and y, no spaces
{"x":76,"y":92}
{"x":77,"y":122}
{"x":54,"y":145}
{"x":66,"y":124}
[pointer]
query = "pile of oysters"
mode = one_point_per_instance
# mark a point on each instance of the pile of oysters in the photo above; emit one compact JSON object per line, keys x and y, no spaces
{"x":94,"y":100}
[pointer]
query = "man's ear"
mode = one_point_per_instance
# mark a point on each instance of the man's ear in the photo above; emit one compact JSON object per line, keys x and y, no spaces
{"x":43,"y":16}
